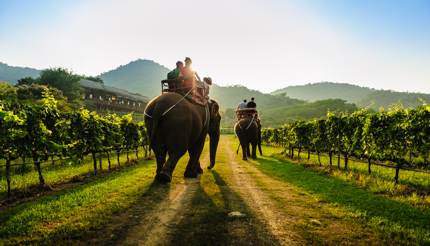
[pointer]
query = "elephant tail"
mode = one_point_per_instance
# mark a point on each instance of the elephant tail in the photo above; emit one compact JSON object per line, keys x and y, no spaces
{"x":153,"y":119}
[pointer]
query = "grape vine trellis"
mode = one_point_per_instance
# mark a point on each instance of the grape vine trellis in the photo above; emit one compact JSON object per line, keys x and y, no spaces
{"x":40,"y":130}
{"x":400,"y":138}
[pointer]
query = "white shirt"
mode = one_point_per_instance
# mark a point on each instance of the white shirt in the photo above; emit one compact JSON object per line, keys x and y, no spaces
{"x":242,"y":105}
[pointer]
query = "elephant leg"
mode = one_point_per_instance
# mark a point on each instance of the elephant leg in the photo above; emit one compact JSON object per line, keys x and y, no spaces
{"x":248,"y":151}
{"x":193,"y":166}
{"x":160,"y":155}
{"x":254,"y":151}
{"x":165,"y":176}
{"x":244,"y":151}
{"x":259,"y":148}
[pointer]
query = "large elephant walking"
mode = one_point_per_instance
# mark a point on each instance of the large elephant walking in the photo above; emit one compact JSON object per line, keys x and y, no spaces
{"x":177,"y":125}
{"x":248,"y":131}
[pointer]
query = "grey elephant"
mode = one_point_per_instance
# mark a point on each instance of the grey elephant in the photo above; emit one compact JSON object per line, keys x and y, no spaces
{"x":177,"y":125}
{"x":248,"y":130}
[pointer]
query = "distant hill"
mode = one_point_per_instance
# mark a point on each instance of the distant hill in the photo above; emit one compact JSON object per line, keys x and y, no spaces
{"x":144,"y":76}
{"x":230,"y":96}
{"x":12,"y":74}
{"x":386,"y":99}
{"x":141,"y":76}
{"x":361,"y":96}
{"x":290,"y":103}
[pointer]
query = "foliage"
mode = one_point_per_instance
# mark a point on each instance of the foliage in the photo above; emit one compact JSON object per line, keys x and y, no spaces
{"x":400,"y":136}
{"x":63,"y":80}
{"x":38,"y":129}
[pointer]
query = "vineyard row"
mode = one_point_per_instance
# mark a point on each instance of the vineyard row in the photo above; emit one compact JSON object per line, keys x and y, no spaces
{"x":40,"y":130}
{"x":400,"y":137}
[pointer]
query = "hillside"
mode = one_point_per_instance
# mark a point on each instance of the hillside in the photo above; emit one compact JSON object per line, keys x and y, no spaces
{"x":325,"y":90}
{"x":141,"y":76}
{"x":361,"y":96}
{"x":144,"y":76}
{"x":276,"y":116}
{"x":386,"y":99}
{"x":230,"y":96}
{"x":12,"y":74}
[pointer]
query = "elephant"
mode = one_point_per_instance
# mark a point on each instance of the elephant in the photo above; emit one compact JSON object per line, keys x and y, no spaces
{"x":248,"y":130}
{"x":176,"y":125}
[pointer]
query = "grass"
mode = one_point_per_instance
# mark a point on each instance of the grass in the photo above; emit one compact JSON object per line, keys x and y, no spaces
{"x":396,"y":218}
{"x":413,"y":187}
{"x":76,"y":212}
{"x":83,"y":211}
{"x":56,"y":174}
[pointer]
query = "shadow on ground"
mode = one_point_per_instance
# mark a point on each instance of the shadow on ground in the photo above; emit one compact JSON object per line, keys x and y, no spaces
{"x":377,"y":209}
{"x":206,"y":222}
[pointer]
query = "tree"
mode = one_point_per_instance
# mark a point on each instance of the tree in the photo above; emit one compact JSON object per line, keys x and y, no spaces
{"x":63,"y":80}
{"x":26,"y":81}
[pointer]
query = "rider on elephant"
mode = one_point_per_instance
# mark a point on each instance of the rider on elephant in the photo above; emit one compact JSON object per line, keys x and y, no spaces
{"x":189,"y":75}
{"x":177,"y":72}
{"x":251,"y":104}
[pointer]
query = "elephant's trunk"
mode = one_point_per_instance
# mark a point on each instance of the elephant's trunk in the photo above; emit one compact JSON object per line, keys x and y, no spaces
{"x":213,"y":145}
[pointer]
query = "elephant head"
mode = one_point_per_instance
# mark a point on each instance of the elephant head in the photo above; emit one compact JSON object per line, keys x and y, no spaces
{"x":214,"y":130}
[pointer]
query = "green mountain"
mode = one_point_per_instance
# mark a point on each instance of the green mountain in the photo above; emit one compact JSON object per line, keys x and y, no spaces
{"x":361,"y":96}
{"x":231,"y":96}
{"x":141,"y":76}
{"x":387,"y":99}
{"x":12,"y":74}
{"x":144,"y":76}
{"x":287,"y":104}
{"x":325,"y":90}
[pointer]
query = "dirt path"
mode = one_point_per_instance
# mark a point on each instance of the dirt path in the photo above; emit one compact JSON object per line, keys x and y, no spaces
{"x":278,"y":222}
{"x":198,"y":211}
{"x":293,"y":215}
{"x":155,"y":227}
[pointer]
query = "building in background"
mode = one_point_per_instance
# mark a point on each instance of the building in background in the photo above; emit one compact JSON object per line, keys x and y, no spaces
{"x":100,"y":97}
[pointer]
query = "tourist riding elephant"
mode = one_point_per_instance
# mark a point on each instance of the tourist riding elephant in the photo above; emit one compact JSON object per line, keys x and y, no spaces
{"x":177,"y":125}
{"x":248,"y":130}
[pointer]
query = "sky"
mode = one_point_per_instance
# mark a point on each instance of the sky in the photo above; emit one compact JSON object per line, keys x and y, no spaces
{"x":264,"y":44}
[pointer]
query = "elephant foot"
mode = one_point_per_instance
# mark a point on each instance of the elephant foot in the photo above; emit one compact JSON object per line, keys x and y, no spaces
{"x":254,"y":157}
{"x":163,"y":178}
{"x":245,"y":159}
{"x":210,"y":167}
{"x":189,"y":174}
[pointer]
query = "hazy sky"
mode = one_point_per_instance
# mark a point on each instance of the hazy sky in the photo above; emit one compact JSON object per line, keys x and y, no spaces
{"x":264,"y":45}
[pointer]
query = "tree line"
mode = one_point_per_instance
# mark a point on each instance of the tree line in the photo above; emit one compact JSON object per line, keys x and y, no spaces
{"x":38,"y":128}
{"x":400,"y":137}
